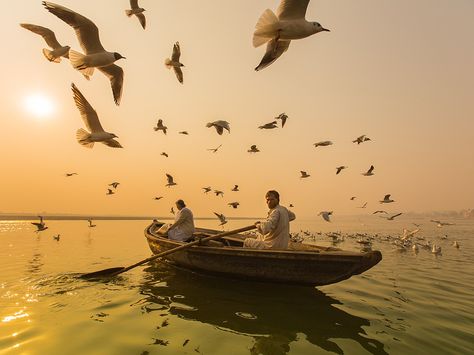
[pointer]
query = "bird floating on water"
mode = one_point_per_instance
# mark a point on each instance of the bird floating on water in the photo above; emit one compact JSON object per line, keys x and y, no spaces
{"x":137,"y":11}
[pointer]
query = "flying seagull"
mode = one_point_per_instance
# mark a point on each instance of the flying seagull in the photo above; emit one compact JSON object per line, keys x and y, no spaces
{"x":164,"y":154}
{"x":369,"y":172}
{"x":95,"y":55}
{"x":114,"y":184}
{"x":283,"y":117}
{"x":175,"y":63}
{"x":219,"y":192}
{"x":184,"y":132}
{"x":219,"y":126}
{"x":214,"y":150}
{"x":57,"y":51}
{"x":391,"y":217}
{"x":70,"y":174}
{"x":90,"y":223}
{"x":235,"y":188}
{"x":157,"y":198}
{"x":253,"y":149}
{"x":340,"y":168}
{"x":363,"y":206}
{"x":304,"y":174}
{"x":109,"y":192}
{"x":206,"y":189}
{"x":91,"y":120}
{"x":322,"y":144}
{"x":137,"y":11}
{"x":379,"y":211}
{"x":278,"y":30}
{"x":234,"y":204}
{"x":270,"y":125}
{"x":160,"y":126}
{"x":325,"y":215}
{"x":221,"y":218}
{"x":361,"y":139}
{"x":170,"y":180}
{"x":40,"y":226}
{"x":386,"y":199}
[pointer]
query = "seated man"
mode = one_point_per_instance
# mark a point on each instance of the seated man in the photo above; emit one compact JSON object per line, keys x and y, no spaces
{"x":275,"y":230}
{"x":183,"y":227}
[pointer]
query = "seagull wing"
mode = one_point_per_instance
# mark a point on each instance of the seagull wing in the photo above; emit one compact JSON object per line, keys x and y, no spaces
{"x":387,"y":197}
{"x":134,"y":4}
{"x":292,"y":9}
{"x":44,"y":32}
{"x":112,"y":143}
{"x":86,"y":31}
{"x":274,"y":50}
{"x":170,"y":178}
{"x":326,"y":217}
{"x":88,"y":114}
{"x":142,"y":19}
{"x":179,"y":74}
{"x":176,"y":52}
{"x":115,"y":75}
{"x":370,"y":169}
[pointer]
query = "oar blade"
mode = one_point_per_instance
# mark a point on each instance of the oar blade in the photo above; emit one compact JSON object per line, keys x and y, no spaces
{"x":102,"y":273}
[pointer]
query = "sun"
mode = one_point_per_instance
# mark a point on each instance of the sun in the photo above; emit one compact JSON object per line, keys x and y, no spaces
{"x":39,"y":105}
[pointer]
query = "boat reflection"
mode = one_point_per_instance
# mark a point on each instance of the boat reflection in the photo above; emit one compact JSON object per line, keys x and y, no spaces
{"x":274,"y":315}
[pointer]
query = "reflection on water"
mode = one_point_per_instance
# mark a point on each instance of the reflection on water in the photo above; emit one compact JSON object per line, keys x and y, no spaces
{"x":248,"y":308}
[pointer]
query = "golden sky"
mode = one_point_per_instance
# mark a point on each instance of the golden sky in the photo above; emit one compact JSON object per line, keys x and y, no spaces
{"x":400,"y":72}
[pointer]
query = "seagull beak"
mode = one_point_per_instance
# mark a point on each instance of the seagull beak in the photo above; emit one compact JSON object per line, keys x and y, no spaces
{"x":325,"y":29}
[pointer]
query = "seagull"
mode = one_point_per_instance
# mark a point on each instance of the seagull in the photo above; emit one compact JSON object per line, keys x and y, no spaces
{"x":70,"y":174}
{"x":95,"y":55}
{"x":456,"y":244}
{"x":322,"y":144}
{"x":352,"y":198}
{"x":325,"y":215}
{"x":214,"y":150}
{"x":369,"y":172}
{"x":160,"y":126}
{"x":278,"y":30}
{"x":221,"y":218}
{"x":253,"y":149}
{"x":137,"y":11}
{"x":90,"y":223}
{"x":114,"y":184}
{"x":170,"y":180}
{"x":206,"y":189}
{"x":270,"y":125}
{"x":57,"y":51}
{"x":440,"y":224}
{"x":158,"y":198}
{"x":235,"y":188}
{"x":218,"y":192}
{"x":283,"y":117}
{"x":175,"y":63}
{"x":435,"y":249}
{"x":340,"y":168}
{"x":234,"y":204}
{"x":361,"y":139}
{"x":291,"y":205}
{"x":387,"y":199}
{"x":304,"y":174}
{"x":109,"y":192}
{"x":391,"y":217}
{"x":172,"y":210}
{"x":164,"y":154}
{"x":40,"y":226}
{"x":379,"y":211}
{"x":363,"y":206}
{"x":184,"y":132}
{"x":91,"y":120}
{"x":219,"y":126}
{"x":56,"y":237}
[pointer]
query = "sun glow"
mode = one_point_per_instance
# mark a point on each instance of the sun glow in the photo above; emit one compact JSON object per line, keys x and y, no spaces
{"x":39,"y":105}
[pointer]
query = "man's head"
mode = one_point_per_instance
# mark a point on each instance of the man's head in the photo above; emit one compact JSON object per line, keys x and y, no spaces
{"x":180,"y":204}
{"x":273,"y":198}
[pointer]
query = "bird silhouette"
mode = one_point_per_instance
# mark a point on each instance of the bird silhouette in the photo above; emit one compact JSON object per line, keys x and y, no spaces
{"x":137,"y":11}
{"x":170,"y":180}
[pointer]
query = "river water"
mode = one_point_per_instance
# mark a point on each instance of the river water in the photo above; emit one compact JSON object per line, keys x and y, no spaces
{"x":410,"y":303}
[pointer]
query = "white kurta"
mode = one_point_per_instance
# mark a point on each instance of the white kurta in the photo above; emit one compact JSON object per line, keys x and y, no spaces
{"x":184,"y":222}
{"x":275,"y":230}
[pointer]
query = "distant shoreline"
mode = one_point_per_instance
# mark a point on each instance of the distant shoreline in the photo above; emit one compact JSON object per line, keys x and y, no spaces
{"x":7,"y":217}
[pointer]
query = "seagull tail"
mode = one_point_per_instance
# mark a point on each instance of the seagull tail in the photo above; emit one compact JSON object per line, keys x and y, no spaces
{"x":128,"y":13}
{"x":50,"y":56}
{"x":168,"y":63}
{"x":77,"y":61}
{"x":265,"y":29}
{"x":82,"y":137}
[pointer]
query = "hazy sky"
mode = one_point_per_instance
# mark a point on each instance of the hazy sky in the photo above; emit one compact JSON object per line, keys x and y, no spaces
{"x":401,"y":72}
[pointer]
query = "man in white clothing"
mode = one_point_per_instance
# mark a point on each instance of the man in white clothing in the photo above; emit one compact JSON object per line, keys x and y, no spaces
{"x":275,"y":230}
{"x":183,"y":227}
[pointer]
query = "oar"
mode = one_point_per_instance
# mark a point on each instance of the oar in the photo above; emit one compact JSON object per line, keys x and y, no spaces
{"x":118,"y":270}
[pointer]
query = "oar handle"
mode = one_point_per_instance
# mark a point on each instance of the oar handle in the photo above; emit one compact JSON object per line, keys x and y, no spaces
{"x":185,"y":246}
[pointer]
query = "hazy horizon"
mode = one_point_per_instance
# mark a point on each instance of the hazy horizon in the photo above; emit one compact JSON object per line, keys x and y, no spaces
{"x":400,"y":73}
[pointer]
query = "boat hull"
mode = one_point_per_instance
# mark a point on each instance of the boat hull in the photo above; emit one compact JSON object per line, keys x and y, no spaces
{"x":312,"y":266}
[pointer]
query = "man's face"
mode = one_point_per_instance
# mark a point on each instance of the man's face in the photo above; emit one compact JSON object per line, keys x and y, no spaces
{"x":272,"y":201}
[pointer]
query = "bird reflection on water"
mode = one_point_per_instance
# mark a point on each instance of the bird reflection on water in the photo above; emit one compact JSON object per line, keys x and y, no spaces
{"x":275,"y":314}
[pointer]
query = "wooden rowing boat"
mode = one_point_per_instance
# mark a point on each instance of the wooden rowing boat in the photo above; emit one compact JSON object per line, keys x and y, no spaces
{"x":302,"y":264}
